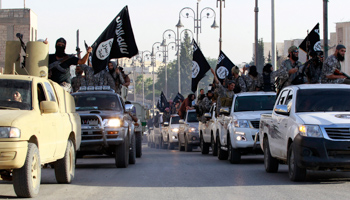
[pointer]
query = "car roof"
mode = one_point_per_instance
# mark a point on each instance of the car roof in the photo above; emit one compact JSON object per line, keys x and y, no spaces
{"x":258,"y":93}
{"x":320,"y":86}
{"x":94,"y":92}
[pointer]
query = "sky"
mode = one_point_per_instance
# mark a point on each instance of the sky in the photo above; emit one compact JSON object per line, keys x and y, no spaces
{"x":151,"y":18}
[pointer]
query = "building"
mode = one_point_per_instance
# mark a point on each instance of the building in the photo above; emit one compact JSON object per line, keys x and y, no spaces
{"x":343,"y":37}
{"x":13,"y":21}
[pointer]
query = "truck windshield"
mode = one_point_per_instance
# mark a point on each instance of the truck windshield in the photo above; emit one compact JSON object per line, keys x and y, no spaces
{"x":15,"y":94}
{"x":323,"y":100}
{"x":192,"y":117}
{"x":175,"y":120}
{"x":254,"y":103}
{"x":97,"y":102}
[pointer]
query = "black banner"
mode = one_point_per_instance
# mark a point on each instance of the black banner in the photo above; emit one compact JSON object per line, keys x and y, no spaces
{"x":223,"y":68}
{"x":200,"y":66}
{"x":116,"y":41}
{"x":313,"y":39}
{"x":162,"y":103}
{"x":178,"y":97}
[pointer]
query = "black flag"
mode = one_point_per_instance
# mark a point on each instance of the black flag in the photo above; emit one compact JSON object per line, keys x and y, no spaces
{"x":116,"y":41}
{"x":162,"y":103}
{"x":224,"y":66}
{"x":178,"y":97}
{"x":313,"y":39}
{"x":200,"y":66}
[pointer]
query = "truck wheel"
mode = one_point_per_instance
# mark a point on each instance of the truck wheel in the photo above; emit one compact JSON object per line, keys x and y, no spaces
{"x":234,"y":155}
{"x":181,"y":148}
{"x":138,"y":145}
{"x":26,"y":180}
{"x":214,"y":148}
{"x":222,"y":154}
{"x":295,"y":172}
{"x":157,"y":144}
{"x":65,"y":167}
{"x":188,"y":147}
{"x":163,"y":145}
{"x":122,"y":154}
{"x":132,"y":151}
{"x":271,"y":163}
{"x":204,"y":146}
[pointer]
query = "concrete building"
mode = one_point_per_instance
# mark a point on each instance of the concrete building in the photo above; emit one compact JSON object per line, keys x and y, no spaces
{"x":343,"y":37}
{"x":13,"y":21}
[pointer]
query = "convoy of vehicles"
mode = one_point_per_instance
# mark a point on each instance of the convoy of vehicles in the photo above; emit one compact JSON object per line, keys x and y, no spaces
{"x":188,"y":136}
{"x":309,"y":129}
{"x":170,"y":132}
{"x":207,"y":132}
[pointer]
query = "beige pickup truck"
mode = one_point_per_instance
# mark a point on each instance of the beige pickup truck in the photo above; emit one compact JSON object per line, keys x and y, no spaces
{"x":38,"y":126}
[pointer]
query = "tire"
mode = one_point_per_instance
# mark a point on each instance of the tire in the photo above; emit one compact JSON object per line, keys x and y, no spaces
{"x":222,"y":155}
{"x":138,"y":145}
{"x":132,"y":151}
{"x":157,"y":144}
{"x":162,"y":144}
{"x":65,"y":167}
{"x":170,"y":145}
{"x":152,"y":145}
{"x":204,"y":146}
{"x":214,"y":148}
{"x":188,"y":147}
{"x":181,"y":148}
{"x":271,"y":163}
{"x":234,"y":155}
{"x":295,"y":172}
{"x":122,"y":154}
{"x":26,"y":180}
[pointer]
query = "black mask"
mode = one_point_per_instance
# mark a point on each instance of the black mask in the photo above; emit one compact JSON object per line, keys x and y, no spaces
{"x":340,"y":57}
{"x":60,"y":51}
{"x":295,"y":58}
{"x":111,"y":71}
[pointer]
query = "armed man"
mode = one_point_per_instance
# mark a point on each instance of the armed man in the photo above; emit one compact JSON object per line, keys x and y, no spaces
{"x":331,"y":72}
{"x":314,"y":67}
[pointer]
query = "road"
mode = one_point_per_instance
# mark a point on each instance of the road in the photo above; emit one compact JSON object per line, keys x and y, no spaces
{"x":164,"y":174}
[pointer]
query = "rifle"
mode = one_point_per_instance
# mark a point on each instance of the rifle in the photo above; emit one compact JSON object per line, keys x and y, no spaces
{"x":338,"y":72}
{"x":20,"y":37}
{"x":78,"y":49}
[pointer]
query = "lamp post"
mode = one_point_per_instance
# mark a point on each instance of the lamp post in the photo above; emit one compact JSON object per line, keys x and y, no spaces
{"x":142,"y":61}
{"x":198,"y":18}
{"x":153,"y":63}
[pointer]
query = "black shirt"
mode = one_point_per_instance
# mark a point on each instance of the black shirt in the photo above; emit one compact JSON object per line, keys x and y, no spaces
{"x":58,"y":76}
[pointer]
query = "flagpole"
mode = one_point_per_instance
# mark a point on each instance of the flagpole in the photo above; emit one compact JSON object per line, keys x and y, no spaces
{"x":273,"y":42}
{"x":325,"y":28}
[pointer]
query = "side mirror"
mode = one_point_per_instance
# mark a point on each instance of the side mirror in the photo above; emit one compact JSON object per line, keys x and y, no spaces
{"x":225,"y":111}
{"x":181,"y":121}
{"x":282,"y":109}
{"x":166,"y":123}
{"x":207,"y":115}
{"x":48,"y":107}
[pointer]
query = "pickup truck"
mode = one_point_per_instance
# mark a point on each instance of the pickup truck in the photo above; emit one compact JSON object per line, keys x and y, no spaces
{"x":207,"y":132}
{"x":238,"y":125}
{"x":188,"y":135}
{"x":140,"y":126}
{"x":169,"y":132}
{"x":40,"y":128}
{"x":156,"y":132}
{"x":106,"y":126}
{"x":309,"y":129}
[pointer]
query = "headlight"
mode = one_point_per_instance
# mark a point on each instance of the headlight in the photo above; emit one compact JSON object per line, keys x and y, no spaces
{"x":175,"y":130}
{"x":192,"y":129}
{"x":241,"y":123}
{"x":112,"y":122}
{"x":310,"y":131}
{"x":9,"y":132}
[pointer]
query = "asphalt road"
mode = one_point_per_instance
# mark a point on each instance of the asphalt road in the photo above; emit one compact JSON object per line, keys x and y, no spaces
{"x":164,"y":174}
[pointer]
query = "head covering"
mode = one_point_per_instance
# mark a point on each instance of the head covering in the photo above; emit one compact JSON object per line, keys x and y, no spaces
{"x":167,"y":109}
{"x":292,"y":48}
{"x":229,"y":82}
{"x":235,"y":70}
{"x":340,"y":46}
{"x":61,"y":40}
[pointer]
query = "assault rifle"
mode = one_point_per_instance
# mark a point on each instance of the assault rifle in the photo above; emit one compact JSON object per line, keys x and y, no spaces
{"x":20,"y":37}
{"x":338,"y":72}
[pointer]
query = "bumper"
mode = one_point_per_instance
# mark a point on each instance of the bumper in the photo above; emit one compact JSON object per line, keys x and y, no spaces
{"x":321,"y":153}
{"x":13,"y":154}
{"x":173,"y":138}
{"x":193,"y":138}
{"x":245,"y":138}
{"x":102,"y":137}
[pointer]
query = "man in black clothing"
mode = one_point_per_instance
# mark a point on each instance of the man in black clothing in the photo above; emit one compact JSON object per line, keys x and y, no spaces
{"x":60,"y":62}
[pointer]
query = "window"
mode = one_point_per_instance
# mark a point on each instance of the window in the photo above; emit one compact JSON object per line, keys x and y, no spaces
{"x":41,"y":94}
{"x":50,"y":92}
{"x":282,"y":97}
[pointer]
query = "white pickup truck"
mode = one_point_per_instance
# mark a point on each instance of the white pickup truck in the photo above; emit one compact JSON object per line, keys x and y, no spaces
{"x":309,"y":129}
{"x":169,"y":132}
{"x":207,"y":132}
{"x":238,"y":125}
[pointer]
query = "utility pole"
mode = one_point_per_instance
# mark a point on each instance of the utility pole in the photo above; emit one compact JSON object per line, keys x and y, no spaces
{"x":273,"y":41}
{"x":256,"y":10}
{"x":220,"y":36}
{"x":325,"y":28}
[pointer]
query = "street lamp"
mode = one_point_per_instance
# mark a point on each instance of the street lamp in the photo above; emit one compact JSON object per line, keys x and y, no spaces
{"x":153,"y":64}
{"x":198,"y":19}
{"x":142,"y":61}
{"x":165,"y":55}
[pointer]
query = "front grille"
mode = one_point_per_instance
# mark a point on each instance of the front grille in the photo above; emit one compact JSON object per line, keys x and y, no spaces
{"x":255,"y":124}
{"x":338,"y":133}
{"x":93,"y":135}
{"x":339,"y":154}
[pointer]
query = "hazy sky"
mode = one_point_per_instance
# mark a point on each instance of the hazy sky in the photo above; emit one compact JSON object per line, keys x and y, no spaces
{"x":150,"y":18}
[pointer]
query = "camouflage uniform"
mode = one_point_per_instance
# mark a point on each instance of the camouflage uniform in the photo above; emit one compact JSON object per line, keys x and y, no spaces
{"x":240,"y":83}
{"x":329,"y":66}
{"x":253,"y":82}
{"x":104,"y":78}
{"x":205,"y":107}
{"x":80,"y":80}
{"x":286,"y":66}
{"x":281,"y":73}
{"x":166,"y":116}
{"x":313,"y":72}
{"x":222,"y":92}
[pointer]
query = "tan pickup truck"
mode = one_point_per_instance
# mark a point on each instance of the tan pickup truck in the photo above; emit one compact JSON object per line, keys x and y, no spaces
{"x":38,"y":126}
